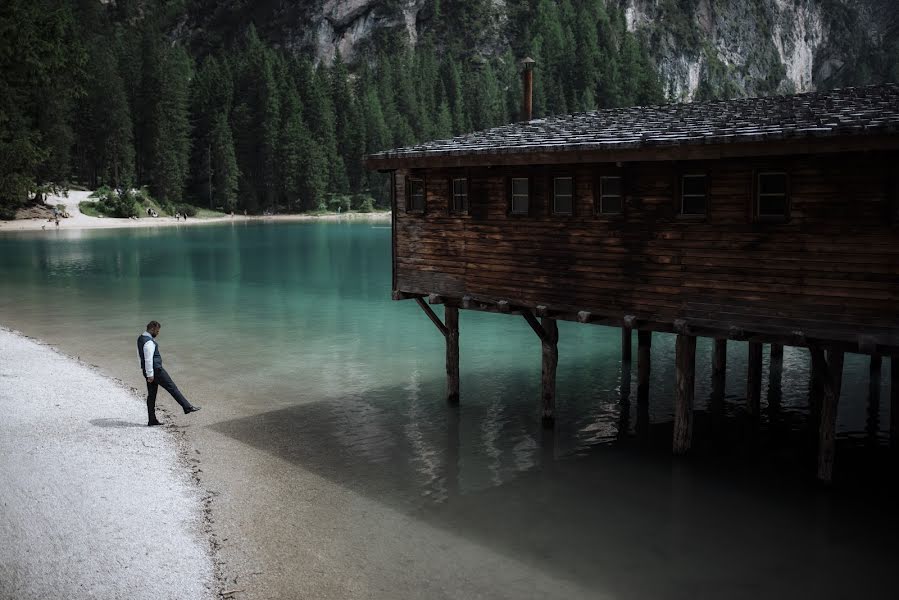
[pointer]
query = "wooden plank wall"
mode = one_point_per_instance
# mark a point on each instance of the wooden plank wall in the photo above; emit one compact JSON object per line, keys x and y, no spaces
{"x":836,"y":261}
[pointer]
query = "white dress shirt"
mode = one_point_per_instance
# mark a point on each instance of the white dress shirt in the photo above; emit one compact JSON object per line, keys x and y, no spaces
{"x":149,"y":350}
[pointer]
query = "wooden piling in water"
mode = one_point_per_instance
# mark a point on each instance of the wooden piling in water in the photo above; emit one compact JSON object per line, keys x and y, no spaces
{"x":775,"y":366}
{"x":754,"y":378}
{"x":626,"y":344}
{"x":550,"y":346}
{"x":644,"y":363}
{"x":719,"y":367}
{"x":828,"y":374}
{"x":451,"y":318}
{"x":685,"y":357}
{"x":872,"y":424}
{"x":894,"y":402}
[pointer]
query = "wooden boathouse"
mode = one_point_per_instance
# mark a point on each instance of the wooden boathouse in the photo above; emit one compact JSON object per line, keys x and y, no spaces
{"x":764,"y":220}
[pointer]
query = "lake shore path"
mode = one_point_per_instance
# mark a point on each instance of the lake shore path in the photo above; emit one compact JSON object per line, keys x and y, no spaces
{"x":93,"y":503}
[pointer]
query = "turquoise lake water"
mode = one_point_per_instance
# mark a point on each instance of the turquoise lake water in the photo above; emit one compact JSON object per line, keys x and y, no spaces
{"x":281,"y":313}
{"x":325,"y":428}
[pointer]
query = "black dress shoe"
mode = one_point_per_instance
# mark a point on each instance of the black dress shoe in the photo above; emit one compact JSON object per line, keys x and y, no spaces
{"x":153,"y":423}
{"x":191,"y":409}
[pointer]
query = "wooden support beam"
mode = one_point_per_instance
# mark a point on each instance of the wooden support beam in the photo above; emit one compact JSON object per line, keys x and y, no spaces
{"x":536,"y":326}
{"x":583,"y":316}
{"x":719,"y":368}
{"x":829,"y":372}
{"x":736,"y":333}
{"x":626,"y":335}
{"x":867,"y":344}
{"x":452,"y":354}
{"x":894,"y":402}
{"x":685,"y":357}
{"x":680,"y":326}
{"x":644,"y":363}
{"x":550,"y":362}
{"x":435,"y":299}
{"x":872,"y":426}
{"x":434,"y":318}
{"x":754,"y":379}
{"x":775,"y":365}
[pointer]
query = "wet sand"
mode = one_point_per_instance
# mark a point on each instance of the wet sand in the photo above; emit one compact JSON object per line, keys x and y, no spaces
{"x":94,"y":503}
{"x":302,"y":508}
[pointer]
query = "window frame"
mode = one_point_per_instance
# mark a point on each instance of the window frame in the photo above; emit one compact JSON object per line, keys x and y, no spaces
{"x":424,"y":198}
{"x":510,"y":184}
{"x":681,"y":177}
{"x":552,"y":189}
{"x":598,"y":196}
{"x":757,"y":196}
{"x":466,"y":206}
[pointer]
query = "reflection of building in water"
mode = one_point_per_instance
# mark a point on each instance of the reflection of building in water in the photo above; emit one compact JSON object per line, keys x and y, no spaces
{"x":424,"y":456}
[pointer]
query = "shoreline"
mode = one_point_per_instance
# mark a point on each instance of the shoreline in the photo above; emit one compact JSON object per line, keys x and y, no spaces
{"x":109,"y":223}
{"x":81,"y":221}
{"x":136,"y":515}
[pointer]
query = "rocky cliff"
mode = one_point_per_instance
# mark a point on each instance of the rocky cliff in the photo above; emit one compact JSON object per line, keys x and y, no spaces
{"x":702,"y":48}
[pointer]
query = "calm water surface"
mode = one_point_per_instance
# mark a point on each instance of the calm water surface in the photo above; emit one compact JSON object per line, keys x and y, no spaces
{"x":288,"y":330}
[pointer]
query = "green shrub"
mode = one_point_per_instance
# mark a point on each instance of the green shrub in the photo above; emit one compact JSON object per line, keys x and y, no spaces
{"x":186,"y":209}
{"x":7,"y":213}
{"x":367,"y":205}
{"x":114,"y":204}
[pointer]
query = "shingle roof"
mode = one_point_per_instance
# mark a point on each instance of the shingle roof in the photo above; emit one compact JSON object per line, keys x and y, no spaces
{"x":866,"y":110}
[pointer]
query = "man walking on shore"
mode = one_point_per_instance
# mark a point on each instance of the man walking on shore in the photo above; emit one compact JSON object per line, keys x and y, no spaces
{"x":151,"y":367}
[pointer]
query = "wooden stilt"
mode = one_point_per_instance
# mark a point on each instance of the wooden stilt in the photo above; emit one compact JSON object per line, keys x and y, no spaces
{"x":626,"y":344}
{"x":894,"y":402}
{"x":775,"y":366}
{"x":719,"y":368}
{"x":828,"y":371}
{"x":644,"y":363}
{"x":775,"y":378}
{"x":683,"y":404}
{"x":624,"y":403}
{"x":451,"y":319}
{"x":754,"y":379}
{"x":550,"y":362}
{"x":872,"y":426}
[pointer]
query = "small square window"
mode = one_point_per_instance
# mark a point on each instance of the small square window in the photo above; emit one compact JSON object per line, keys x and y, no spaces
{"x":772,"y":200}
{"x":563,"y":195}
{"x":520,"y":195}
{"x":610,"y":198}
{"x":460,"y":195}
{"x":693,"y":195}
{"x":417,"y":194}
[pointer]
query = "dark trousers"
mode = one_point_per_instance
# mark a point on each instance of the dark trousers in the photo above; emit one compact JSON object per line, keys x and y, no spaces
{"x":161,"y":378}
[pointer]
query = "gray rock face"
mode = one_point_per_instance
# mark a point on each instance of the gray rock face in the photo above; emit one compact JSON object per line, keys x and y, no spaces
{"x":342,"y":25}
{"x":734,"y":48}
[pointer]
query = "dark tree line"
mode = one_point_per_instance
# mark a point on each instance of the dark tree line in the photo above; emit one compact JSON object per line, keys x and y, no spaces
{"x":111,"y":94}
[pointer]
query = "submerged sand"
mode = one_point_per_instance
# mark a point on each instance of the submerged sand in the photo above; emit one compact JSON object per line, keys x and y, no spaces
{"x":94,"y":503}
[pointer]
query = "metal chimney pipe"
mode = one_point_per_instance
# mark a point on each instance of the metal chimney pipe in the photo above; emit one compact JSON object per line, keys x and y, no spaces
{"x":527,"y":83}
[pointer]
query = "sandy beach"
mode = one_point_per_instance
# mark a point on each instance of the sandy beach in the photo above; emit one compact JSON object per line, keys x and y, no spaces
{"x":78,"y":220}
{"x":94,"y":503}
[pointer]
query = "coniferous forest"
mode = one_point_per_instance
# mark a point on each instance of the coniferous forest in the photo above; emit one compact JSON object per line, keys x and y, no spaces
{"x":115,"y":94}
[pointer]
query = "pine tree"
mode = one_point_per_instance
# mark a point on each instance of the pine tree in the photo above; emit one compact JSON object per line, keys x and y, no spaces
{"x":167,"y":144}
{"x":225,"y":174}
{"x":349,"y":125}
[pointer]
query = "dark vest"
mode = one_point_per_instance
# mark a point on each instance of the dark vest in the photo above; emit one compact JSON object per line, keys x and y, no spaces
{"x":157,"y":359}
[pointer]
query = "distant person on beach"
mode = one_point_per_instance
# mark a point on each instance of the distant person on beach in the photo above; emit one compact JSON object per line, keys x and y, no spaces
{"x":151,"y":367}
